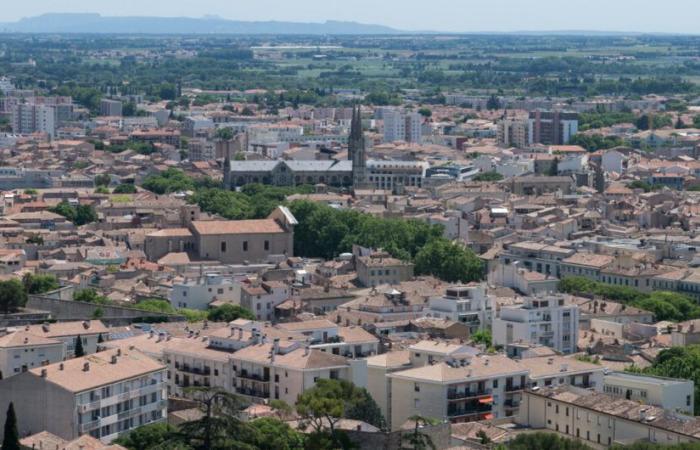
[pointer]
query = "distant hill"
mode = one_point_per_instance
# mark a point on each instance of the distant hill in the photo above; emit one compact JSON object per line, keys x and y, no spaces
{"x":95,"y":23}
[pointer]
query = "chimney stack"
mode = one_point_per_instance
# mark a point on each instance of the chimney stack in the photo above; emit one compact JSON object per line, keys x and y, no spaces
{"x":86,"y":367}
{"x":306,"y":350}
{"x":114,"y":359}
{"x":61,"y":366}
{"x":44,"y":373}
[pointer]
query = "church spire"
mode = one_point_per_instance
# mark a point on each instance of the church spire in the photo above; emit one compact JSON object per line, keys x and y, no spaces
{"x":356,"y":149}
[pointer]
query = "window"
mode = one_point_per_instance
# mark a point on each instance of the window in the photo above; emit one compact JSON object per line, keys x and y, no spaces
{"x":223,"y":247}
{"x":245,"y":246}
{"x":416,"y":387}
{"x":267,"y":245}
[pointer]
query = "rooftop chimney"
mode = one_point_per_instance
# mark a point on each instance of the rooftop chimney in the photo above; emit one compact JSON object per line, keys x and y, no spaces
{"x":306,"y":350}
{"x":86,"y":367}
{"x":44,"y":373}
{"x":114,"y":359}
{"x":61,"y":366}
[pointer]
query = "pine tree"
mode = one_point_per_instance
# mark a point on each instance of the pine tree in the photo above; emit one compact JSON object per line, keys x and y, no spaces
{"x":79,"y":350}
{"x":10,"y":439}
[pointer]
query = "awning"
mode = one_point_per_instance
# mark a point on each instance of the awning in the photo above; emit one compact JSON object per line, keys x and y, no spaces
{"x":488,"y":416}
{"x":486,"y":400}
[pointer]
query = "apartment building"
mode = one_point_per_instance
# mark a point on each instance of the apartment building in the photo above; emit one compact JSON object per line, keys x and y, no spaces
{"x":379,"y":384}
{"x":555,"y":370}
{"x":601,"y":419}
{"x":549,"y":320}
{"x":201,"y":149}
{"x":198,"y":293}
{"x":111,"y":108}
{"x":402,"y":126}
{"x":395,"y":175}
{"x":668,"y":393}
{"x":466,"y":304}
{"x":262,"y":297}
{"x":380,"y":268}
{"x":552,"y":127}
{"x":467,"y":389}
{"x":536,"y":256}
{"x":512,"y":133}
{"x":89,"y":332}
{"x":192,"y":362}
{"x":588,"y":265}
{"x":30,"y":118}
{"x":284,"y":370}
{"x":21,"y":351}
{"x":103,"y":395}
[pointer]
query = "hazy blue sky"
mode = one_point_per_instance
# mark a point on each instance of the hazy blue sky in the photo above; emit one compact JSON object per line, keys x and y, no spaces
{"x":448,"y":15}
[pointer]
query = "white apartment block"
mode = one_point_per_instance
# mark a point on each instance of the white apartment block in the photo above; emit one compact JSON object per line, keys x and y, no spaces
{"x":104,"y":395}
{"x":262,"y":297}
{"x":200,"y":292}
{"x":402,"y":126}
{"x":192,"y":363}
{"x":21,"y":351}
{"x":604,"y":420}
{"x":667,"y":393}
{"x":30,"y":118}
{"x":200,"y":149}
{"x":466,"y":304}
{"x":549,"y":320}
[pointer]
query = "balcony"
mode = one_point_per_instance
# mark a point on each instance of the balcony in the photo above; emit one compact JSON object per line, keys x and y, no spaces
{"x":195,"y":370}
{"x":253,"y":376}
{"x":88,"y":426}
{"x":253,"y":392}
{"x":461,"y":395}
{"x":511,"y":403}
{"x":513,"y":388}
{"x":470,"y":411}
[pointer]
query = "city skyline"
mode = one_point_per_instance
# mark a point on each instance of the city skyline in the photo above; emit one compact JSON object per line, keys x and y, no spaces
{"x":409,"y":15}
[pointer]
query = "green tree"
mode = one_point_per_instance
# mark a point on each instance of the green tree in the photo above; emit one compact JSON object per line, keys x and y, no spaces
{"x":90,"y":295}
{"x":125,"y":188}
{"x":425,"y":112}
{"x":79,"y":350}
{"x":487,"y":176}
{"x":273,"y":434}
{"x":330,"y":400}
{"x":10,"y":440}
{"x":449,"y":261}
{"x":102,"y":180}
{"x":544,"y":441}
{"x":224,"y":133}
{"x":12,"y":296}
{"x":148,"y":437}
{"x":229,"y":312}
{"x":39,"y":284}
{"x":417,"y":440}
{"x":219,"y":427}
{"x":482,"y":337}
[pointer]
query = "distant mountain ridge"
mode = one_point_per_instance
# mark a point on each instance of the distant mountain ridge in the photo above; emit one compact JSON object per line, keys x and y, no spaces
{"x":96,"y":23}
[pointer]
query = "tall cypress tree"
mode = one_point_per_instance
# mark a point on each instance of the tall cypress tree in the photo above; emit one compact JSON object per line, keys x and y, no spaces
{"x":10,"y":439}
{"x":79,"y":350}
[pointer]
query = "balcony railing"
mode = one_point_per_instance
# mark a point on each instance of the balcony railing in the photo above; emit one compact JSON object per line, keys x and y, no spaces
{"x":195,"y":370}
{"x":459,"y":395}
{"x":253,"y":392}
{"x":253,"y":376}
{"x":511,"y":403}
{"x":513,"y":388}
{"x":457,"y":412}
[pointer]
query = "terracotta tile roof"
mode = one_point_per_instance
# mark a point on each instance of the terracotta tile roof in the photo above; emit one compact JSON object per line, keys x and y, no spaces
{"x":62,"y":329}
{"x":24,"y":338}
{"x":260,"y":226}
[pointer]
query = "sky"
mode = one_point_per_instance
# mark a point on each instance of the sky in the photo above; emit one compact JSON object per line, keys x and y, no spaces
{"x":675,"y":16}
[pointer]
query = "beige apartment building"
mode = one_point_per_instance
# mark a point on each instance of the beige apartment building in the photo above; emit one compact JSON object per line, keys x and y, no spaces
{"x":284,"y":370}
{"x":482,"y":387}
{"x":192,"y":363}
{"x":601,"y":419}
{"x":104,"y":395}
{"x":380,"y":268}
